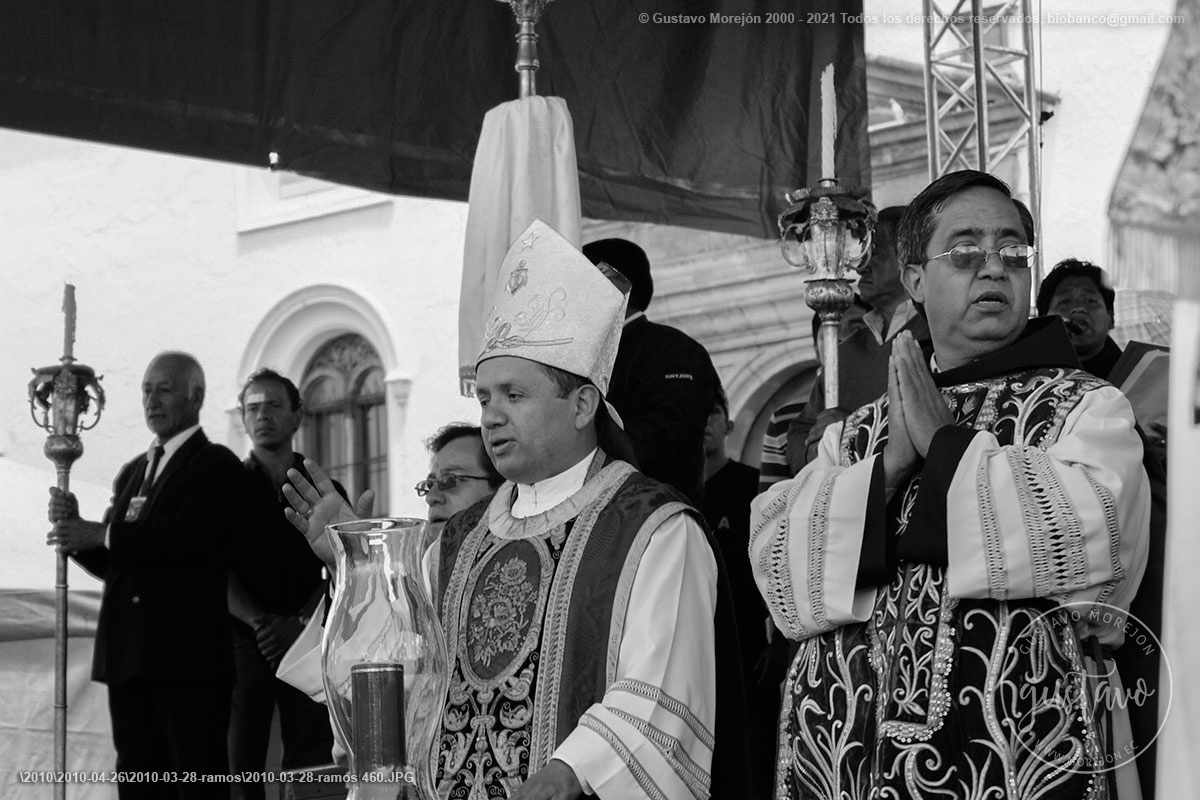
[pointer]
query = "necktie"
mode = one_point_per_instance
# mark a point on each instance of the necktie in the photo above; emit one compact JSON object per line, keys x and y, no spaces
{"x":149,"y":479}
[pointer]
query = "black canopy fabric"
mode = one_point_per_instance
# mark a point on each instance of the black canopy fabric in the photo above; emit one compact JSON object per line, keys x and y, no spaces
{"x":689,"y":112}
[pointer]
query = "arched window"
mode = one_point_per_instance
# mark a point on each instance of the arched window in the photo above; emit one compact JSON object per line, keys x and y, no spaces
{"x":345,"y":420}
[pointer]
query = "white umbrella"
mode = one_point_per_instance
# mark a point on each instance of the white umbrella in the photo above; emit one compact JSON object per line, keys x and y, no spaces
{"x":525,"y":169}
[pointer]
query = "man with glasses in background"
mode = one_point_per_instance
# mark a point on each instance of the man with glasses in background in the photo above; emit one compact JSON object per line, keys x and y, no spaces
{"x":460,"y":475}
{"x":939,"y":560}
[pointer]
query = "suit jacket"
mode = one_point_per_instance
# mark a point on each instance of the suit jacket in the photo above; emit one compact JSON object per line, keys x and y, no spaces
{"x":164,"y":613}
{"x":664,"y":386}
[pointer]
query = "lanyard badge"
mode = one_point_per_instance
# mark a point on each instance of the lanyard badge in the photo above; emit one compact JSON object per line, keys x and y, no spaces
{"x":135,"y":508}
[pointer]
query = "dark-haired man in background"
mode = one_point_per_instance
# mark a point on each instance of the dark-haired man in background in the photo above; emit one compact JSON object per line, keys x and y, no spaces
{"x":460,"y":475}
{"x":863,"y":353}
{"x":729,"y":488}
{"x":1081,"y":293}
{"x":275,"y":584}
{"x":663,"y":382}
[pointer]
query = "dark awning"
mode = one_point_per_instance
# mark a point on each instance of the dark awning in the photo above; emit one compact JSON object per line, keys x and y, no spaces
{"x":689,"y":112}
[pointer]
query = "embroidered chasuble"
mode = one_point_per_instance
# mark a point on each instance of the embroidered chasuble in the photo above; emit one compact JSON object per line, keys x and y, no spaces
{"x":535,"y":612}
{"x":940,"y":630}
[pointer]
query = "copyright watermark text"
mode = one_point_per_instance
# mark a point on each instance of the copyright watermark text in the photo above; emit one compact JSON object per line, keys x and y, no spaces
{"x":1112,"y":20}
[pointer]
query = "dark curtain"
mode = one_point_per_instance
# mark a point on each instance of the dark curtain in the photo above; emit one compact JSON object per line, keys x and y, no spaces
{"x":702,"y":115}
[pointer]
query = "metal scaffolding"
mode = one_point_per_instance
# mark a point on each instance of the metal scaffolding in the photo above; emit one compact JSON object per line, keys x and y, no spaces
{"x":979,"y":69}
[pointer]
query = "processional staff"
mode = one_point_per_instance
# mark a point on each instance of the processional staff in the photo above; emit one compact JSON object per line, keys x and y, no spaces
{"x":827,"y":230}
{"x":527,"y":12}
{"x":69,"y":399}
{"x":504,"y":202}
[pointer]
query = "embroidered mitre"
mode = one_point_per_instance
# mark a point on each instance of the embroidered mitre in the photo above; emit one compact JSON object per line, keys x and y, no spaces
{"x":553,"y":306}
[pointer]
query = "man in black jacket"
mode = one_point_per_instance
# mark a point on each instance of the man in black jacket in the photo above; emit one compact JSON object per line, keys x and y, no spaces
{"x":663,"y":383}
{"x":275,"y":585}
{"x":162,"y":644}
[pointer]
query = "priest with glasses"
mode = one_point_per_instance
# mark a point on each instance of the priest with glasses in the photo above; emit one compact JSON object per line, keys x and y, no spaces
{"x":949,"y":560}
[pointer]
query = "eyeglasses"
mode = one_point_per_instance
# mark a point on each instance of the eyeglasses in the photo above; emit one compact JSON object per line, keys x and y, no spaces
{"x":445,"y":482}
{"x":971,"y":257}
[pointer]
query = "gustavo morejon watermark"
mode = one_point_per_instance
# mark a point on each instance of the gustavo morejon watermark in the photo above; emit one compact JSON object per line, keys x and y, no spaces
{"x":1098,"y":687}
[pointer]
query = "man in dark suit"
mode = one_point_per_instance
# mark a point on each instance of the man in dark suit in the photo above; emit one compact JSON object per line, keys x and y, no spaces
{"x":663,"y":382}
{"x":163,"y":644}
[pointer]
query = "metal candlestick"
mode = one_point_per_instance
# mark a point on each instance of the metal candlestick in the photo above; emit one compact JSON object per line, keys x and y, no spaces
{"x":527,"y":12}
{"x":828,"y":231}
{"x":69,"y":399}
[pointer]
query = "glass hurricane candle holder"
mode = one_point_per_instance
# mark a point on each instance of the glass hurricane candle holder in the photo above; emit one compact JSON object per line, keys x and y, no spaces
{"x":383,"y":656}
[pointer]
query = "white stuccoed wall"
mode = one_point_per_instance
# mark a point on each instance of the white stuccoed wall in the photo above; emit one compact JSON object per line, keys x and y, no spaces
{"x":1101,"y":74}
{"x":151,"y":243}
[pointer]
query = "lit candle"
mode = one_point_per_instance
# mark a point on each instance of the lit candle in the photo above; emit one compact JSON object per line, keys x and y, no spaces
{"x":828,"y":122}
{"x":68,"y":308}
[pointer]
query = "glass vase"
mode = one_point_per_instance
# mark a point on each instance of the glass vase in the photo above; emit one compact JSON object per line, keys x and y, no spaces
{"x":383,"y":656}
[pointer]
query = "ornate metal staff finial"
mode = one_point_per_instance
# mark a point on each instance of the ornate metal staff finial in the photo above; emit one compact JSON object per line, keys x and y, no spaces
{"x":828,"y":231}
{"x":527,"y":12}
{"x":64,"y":399}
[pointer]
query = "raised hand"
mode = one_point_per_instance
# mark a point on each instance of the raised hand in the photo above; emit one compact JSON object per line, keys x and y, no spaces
{"x":315,"y":505}
{"x":925,"y":410}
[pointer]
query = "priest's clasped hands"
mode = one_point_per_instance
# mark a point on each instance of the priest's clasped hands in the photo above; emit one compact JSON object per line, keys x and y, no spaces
{"x":916,"y":410}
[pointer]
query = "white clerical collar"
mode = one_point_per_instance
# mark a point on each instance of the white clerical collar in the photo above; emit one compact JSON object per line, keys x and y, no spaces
{"x":632,"y":317}
{"x":546,"y":494}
